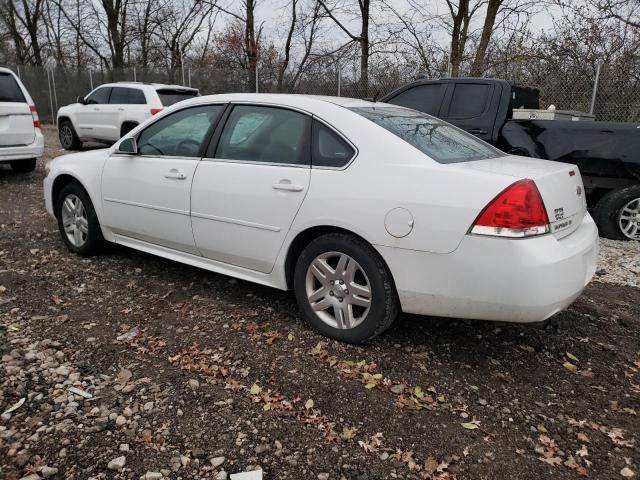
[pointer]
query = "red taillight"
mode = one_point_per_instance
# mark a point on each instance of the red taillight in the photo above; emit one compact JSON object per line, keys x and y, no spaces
{"x":518,"y":211}
{"x":34,"y":114}
{"x":155,"y":110}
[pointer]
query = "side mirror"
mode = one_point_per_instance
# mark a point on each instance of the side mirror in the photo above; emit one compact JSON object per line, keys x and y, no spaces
{"x":81,"y":100}
{"x":128,"y":146}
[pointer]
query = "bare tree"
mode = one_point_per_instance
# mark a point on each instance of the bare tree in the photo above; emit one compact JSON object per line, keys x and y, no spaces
{"x":23,"y":20}
{"x":362,"y":38}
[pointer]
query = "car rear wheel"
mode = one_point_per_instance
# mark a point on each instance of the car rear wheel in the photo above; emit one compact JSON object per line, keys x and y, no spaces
{"x":77,"y":221}
{"x":23,"y":166}
{"x":344,"y":289}
{"x":67,"y":135}
{"x":618,"y":214}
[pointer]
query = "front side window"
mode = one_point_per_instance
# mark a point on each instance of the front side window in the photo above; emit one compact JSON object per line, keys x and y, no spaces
{"x":265,"y":134}
{"x":441,"y":141}
{"x":180,"y":134}
{"x":469,"y":100}
{"x":99,"y":96}
{"x":329,"y":149}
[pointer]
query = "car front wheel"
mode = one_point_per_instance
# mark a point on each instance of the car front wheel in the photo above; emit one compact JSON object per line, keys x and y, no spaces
{"x":67,"y":135}
{"x":77,"y":221}
{"x":344,"y":289}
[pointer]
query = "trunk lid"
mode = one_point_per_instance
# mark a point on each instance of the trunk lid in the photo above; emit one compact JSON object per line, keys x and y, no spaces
{"x":16,"y":124}
{"x":560,"y":185}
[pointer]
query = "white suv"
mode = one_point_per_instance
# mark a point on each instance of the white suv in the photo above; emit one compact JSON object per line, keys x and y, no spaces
{"x":113,"y":109}
{"x":21,"y":140}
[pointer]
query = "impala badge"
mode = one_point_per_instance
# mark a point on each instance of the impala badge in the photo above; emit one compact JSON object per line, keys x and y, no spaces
{"x":579,"y":190}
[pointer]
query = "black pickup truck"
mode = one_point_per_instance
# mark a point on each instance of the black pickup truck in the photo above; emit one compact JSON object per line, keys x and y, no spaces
{"x":607,"y":153}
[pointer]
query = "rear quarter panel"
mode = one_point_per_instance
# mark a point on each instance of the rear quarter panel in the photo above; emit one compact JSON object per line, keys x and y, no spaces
{"x":388,"y":173}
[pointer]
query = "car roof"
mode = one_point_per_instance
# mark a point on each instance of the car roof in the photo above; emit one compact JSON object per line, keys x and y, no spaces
{"x":284,"y":99}
{"x":154,"y":86}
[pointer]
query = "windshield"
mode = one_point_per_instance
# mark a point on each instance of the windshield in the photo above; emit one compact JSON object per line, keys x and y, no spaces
{"x":170,"y":96}
{"x":439,"y":140}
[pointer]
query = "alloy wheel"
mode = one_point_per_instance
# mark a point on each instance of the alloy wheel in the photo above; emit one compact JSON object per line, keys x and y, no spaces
{"x":338,"y":290}
{"x":75,"y":220}
{"x":66,"y":136}
{"x":629,"y":220}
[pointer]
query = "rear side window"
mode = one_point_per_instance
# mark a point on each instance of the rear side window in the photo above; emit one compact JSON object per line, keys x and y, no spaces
{"x":469,"y":100}
{"x":10,"y":91}
{"x":99,"y":96}
{"x":119,"y":96}
{"x":136,"y":97}
{"x":439,"y":140}
{"x":329,"y":149}
{"x":425,"y":98}
{"x":171,"y":96}
{"x":265,"y":134}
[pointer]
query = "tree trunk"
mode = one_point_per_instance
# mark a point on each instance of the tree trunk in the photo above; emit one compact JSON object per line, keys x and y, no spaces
{"x":251,"y":45}
{"x":115,"y":11}
{"x":487,"y":30}
{"x":364,"y":48}
{"x":287,"y":47}
{"x":459,"y":36}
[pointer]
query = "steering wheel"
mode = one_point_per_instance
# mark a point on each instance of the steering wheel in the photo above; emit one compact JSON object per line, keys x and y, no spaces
{"x":184,"y":145}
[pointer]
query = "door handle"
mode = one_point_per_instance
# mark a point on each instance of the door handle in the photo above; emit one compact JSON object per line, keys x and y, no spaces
{"x":121,"y":109}
{"x":96,"y":109}
{"x":288,"y":187}
{"x":175,"y":175}
{"x":477,"y":131}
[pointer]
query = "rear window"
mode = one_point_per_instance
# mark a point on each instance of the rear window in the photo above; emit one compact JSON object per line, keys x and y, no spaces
{"x":439,"y":140}
{"x":169,"y":97}
{"x":10,"y":91}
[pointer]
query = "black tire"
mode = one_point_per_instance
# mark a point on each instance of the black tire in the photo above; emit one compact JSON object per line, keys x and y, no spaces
{"x":608,"y":209}
{"x":23,"y":166}
{"x":384,"y":302}
{"x":68,"y":136}
{"x":127,"y":127}
{"x":94,"y":240}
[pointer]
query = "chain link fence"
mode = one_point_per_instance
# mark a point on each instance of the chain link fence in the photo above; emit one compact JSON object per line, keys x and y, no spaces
{"x":617,"y":95}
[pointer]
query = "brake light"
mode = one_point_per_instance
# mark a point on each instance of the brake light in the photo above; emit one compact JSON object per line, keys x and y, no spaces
{"x":34,"y":115}
{"x":517,"y":212}
{"x":155,"y":110}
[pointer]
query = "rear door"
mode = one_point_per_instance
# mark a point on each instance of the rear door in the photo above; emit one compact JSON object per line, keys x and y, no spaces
{"x":472,"y":106}
{"x":16,"y":122}
{"x":245,"y":197}
{"x":112,"y":113}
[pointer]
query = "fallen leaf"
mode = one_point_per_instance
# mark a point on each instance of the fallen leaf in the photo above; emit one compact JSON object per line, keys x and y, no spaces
{"x":570,"y":356}
{"x":626,"y":472}
{"x":266,"y":407}
{"x":308,"y":404}
{"x":255,"y":389}
{"x":370,"y":386}
{"x":542,"y":429}
{"x":551,"y":460}
{"x":290,"y":337}
{"x":569,"y":366}
{"x":583,"y":452}
{"x":347,"y":434}
{"x":469,"y":425}
{"x":583,"y":437}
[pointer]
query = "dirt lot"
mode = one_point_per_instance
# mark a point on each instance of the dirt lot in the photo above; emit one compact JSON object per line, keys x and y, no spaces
{"x":195,"y":375}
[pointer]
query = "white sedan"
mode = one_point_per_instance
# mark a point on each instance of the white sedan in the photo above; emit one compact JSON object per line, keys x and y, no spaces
{"x":363,"y":209}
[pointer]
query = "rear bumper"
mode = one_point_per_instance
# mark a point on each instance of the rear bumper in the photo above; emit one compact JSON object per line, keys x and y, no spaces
{"x":24,"y":152}
{"x":487,"y":278}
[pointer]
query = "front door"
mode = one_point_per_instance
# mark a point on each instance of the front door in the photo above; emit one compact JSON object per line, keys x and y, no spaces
{"x":146,"y":196}
{"x":90,"y":116}
{"x":244,"y":200}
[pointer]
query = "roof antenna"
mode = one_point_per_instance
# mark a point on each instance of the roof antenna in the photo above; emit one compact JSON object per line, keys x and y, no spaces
{"x":375,"y":97}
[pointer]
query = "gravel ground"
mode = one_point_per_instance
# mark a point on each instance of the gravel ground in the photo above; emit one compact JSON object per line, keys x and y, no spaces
{"x":130,"y":366}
